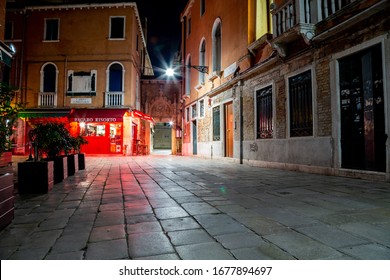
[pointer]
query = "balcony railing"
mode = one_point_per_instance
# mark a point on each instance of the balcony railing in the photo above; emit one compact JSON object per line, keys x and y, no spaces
{"x":114,"y":99}
{"x":47,"y":100}
{"x":302,"y":15}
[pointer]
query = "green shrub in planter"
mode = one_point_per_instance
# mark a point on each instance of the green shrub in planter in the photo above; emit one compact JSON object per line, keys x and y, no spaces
{"x":8,"y":115}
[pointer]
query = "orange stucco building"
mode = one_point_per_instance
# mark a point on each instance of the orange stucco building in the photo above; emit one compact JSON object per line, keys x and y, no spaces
{"x":81,"y":64}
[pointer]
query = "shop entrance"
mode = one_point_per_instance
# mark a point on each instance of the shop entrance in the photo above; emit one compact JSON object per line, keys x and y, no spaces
{"x":103,"y":138}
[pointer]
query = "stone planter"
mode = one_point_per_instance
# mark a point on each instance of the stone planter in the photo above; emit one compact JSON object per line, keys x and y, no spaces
{"x":6,"y":199}
{"x":73,"y":164}
{"x":35,"y":177}
{"x":60,"y":169}
{"x":81,"y":161}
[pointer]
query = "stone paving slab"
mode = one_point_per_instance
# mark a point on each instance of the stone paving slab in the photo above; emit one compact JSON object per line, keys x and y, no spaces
{"x":167,"y":208}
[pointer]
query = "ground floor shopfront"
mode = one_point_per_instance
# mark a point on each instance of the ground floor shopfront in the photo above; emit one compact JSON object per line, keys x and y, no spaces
{"x":108,"y":131}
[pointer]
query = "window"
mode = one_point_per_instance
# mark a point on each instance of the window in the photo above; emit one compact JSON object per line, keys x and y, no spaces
{"x":49,"y":78}
{"x":264,"y":126}
{"x":216,"y":124}
{"x":201,"y":108}
{"x":115,"y":77}
{"x":188,"y":26}
{"x":193,"y":111}
{"x":202,"y":61}
{"x":51,"y":29}
{"x":9,"y":30}
{"x":93,"y":129}
{"x":117,"y":27}
{"x":202,"y":7}
{"x":301,"y":107}
{"x":217,"y":46}
{"x":188,"y":76}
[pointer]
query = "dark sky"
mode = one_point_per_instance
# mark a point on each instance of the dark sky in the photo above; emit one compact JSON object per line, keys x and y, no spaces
{"x":164,"y":30}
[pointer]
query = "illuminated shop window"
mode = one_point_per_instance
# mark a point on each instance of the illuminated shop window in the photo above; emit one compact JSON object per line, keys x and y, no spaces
{"x":92,"y":129}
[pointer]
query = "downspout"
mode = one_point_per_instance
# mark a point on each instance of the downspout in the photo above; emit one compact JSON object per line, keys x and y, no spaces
{"x":240,"y":85}
{"x":65,"y":79}
{"x":22,"y":97}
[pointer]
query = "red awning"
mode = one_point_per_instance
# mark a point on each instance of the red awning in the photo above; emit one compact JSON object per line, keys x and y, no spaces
{"x":97,"y":115}
{"x":142,"y":116}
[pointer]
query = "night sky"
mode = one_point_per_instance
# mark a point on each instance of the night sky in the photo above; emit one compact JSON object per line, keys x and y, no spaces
{"x":164,"y":30}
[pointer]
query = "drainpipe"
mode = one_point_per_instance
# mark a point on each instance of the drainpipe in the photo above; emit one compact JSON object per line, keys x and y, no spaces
{"x":240,"y":85}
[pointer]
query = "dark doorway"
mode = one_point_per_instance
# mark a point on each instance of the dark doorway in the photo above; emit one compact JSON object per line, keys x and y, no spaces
{"x":194,"y":138}
{"x":362,"y":111}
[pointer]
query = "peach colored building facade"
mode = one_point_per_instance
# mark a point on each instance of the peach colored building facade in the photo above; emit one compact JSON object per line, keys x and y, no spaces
{"x":84,"y":62}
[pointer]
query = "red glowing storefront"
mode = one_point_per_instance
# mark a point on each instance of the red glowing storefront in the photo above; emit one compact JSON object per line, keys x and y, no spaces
{"x":103,"y":129}
{"x":110,"y":131}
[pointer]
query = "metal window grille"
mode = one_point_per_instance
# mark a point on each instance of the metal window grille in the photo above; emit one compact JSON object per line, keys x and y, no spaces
{"x":301,"y":107}
{"x":264,"y":113}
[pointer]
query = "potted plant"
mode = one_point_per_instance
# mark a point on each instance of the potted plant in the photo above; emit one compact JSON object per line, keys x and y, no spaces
{"x":76,"y":143}
{"x":8,"y":116}
{"x":48,"y":166}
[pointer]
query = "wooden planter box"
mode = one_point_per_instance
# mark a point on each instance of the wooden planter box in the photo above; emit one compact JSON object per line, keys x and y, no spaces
{"x":35,"y":177}
{"x":81,"y":161}
{"x":60,"y":169}
{"x":73,"y":164}
{"x":6,"y":199}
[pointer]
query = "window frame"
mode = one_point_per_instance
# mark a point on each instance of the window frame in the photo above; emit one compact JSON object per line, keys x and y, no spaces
{"x":217,"y":46}
{"x":216,"y":129}
{"x":188,"y":76}
{"x":42,"y":82}
{"x":202,"y":61}
{"x":289,"y":118}
{"x":202,"y":112}
{"x":272,"y":115}
{"x":202,"y":7}
{"x":108,"y":83}
{"x":110,"y":35}
{"x":45,"y":33}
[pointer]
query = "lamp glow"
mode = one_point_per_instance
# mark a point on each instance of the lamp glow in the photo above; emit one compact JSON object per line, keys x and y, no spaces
{"x":170,"y":72}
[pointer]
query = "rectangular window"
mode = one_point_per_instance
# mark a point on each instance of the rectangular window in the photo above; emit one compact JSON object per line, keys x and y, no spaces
{"x":193,"y":111}
{"x":301,"y":107}
{"x":117,"y":28}
{"x":201,"y":108}
{"x":216,"y":124}
{"x":188,"y":26}
{"x":202,"y":7}
{"x":264,"y":113}
{"x":52,"y":29}
{"x":9,"y":30}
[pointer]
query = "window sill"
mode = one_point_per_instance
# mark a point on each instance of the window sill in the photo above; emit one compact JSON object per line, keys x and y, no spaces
{"x":214,"y":75}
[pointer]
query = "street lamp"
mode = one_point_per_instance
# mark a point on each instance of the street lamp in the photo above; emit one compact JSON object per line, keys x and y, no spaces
{"x":203,"y":69}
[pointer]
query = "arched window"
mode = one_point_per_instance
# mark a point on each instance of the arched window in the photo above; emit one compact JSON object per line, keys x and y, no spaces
{"x":48,"y":88}
{"x":115,"y":76}
{"x":217,"y":45}
{"x":202,"y":60}
{"x":188,"y":75}
{"x":49,"y":78}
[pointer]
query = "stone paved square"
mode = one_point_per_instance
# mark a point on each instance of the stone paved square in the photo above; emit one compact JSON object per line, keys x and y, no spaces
{"x":167,"y":208}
